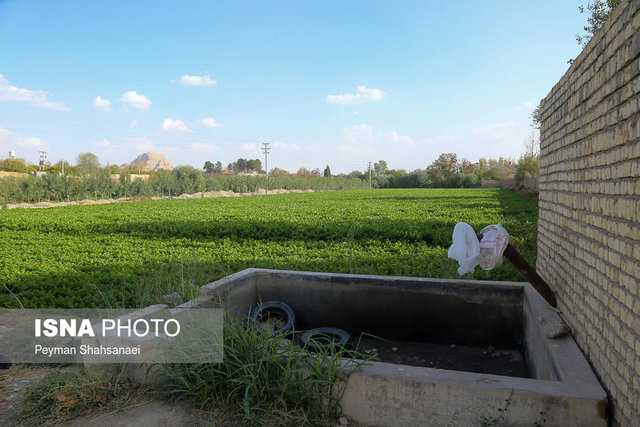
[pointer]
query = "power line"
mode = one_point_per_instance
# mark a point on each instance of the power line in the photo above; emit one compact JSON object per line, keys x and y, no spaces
{"x":43,"y":159}
{"x":266,"y":148}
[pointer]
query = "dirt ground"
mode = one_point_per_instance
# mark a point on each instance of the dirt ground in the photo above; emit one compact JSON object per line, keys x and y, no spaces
{"x":208,"y":195}
{"x":483,"y":360}
{"x":149,"y":411}
{"x":5,"y":174}
{"x":12,"y":384}
{"x":145,"y":411}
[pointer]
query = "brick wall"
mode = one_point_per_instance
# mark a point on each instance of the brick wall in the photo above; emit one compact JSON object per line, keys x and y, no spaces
{"x":589,"y":221}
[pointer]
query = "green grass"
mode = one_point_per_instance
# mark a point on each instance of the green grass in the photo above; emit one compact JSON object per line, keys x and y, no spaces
{"x":265,"y":380}
{"x":130,"y":254}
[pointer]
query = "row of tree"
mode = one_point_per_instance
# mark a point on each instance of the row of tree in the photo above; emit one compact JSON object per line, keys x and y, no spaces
{"x":86,"y":179}
{"x":86,"y":163}
{"x":244,"y":166}
{"x":450,"y":171}
{"x":238,"y":167}
{"x":184,"y":179}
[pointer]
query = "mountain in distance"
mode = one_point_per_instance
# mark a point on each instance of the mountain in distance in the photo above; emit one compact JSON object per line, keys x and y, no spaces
{"x":149,"y":162}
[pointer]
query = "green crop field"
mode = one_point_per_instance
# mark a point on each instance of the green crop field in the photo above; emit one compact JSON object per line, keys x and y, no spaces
{"x":130,"y":254}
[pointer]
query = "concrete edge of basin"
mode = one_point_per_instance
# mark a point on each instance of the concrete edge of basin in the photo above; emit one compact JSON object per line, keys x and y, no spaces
{"x":582,"y":398}
{"x":568,"y":358}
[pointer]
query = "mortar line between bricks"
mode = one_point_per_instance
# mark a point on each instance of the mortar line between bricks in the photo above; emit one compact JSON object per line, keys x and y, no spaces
{"x":627,"y":240}
{"x":618,"y":286}
{"x":578,"y":272}
{"x":611,"y":344}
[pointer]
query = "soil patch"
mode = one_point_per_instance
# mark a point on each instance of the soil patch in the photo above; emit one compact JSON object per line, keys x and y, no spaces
{"x":207,"y":195}
{"x":148,"y":411}
{"x":13,"y":381}
{"x":5,"y":174}
{"x":482,"y":360}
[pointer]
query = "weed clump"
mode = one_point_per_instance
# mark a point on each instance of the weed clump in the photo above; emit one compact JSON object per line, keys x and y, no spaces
{"x":266,"y":379}
{"x":60,"y":396}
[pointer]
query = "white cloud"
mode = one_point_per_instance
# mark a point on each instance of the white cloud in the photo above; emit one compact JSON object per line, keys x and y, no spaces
{"x":204,"y":147}
{"x":133,"y":124}
{"x":140,"y":143}
{"x":188,"y":80}
{"x":363,"y":94}
{"x":365,"y":134}
{"x":286,"y":147}
{"x":400,"y":139}
{"x":170,"y":148}
{"x":495,"y":131}
{"x":175,"y":126}
{"x":524,"y":106}
{"x":102,"y":104}
{"x":210,"y":122}
{"x":136,"y":100}
{"x":249,"y":147}
{"x":358,"y":133}
{"x":22,"y":145}
{"x":104,"y":145}
{"x":37,"y":98}
{"x":104,"y":142}
{"x":490,"y":140}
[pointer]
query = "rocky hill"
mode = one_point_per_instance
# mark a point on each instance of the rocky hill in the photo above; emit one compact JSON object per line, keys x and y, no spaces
{"x":149,"y":162}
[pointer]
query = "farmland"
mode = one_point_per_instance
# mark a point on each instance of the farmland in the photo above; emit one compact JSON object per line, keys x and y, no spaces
{"x":130,"y":254}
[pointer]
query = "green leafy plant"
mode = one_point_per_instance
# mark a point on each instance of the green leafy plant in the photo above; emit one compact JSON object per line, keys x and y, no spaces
{"x":129,"y":255}
{"x":496,"y":420}
{"x":542,"y":420}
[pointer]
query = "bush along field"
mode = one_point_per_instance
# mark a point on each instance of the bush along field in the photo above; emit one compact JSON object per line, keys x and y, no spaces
{"x":130,"y":254}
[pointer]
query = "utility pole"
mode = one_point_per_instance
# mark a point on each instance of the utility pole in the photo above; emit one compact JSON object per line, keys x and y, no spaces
{"x":369,"y":167}
{"x":266,"y":147}
{"x":62,"y":167}
{"x":43,"y":159}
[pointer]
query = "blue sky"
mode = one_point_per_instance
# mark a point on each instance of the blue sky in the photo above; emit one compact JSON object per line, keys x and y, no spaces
{"x":326,"y":82}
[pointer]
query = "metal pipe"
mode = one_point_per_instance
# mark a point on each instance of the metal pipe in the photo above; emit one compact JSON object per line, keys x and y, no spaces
{"x":529,"y":273}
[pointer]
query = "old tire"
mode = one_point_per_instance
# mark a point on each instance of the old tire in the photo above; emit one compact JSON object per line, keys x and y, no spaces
{"x":274,"y":317}
{"x":324,"y":338}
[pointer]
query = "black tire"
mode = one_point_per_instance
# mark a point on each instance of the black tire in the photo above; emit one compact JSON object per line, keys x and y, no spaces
{"x":5,"y":363}
{"x":263,"y":314}
{"x":324,"y":338}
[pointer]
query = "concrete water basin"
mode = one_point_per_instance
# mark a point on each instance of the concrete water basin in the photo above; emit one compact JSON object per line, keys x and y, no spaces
{"x":545,"y":378}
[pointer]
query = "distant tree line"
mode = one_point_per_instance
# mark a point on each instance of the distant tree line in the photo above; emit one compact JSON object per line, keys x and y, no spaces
{"x":88,"y":180}
{"x":448,"y":171}
{"x":86,"y":163}
{"x":104,"y":185}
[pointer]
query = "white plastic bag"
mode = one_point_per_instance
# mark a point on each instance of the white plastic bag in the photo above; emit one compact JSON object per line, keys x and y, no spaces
{"x":465,"y":248}
{"x":469,"y":252}
{"x":494,"y":241}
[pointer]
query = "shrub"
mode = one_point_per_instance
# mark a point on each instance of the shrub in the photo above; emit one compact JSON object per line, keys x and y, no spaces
{"x":528,"y":163}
